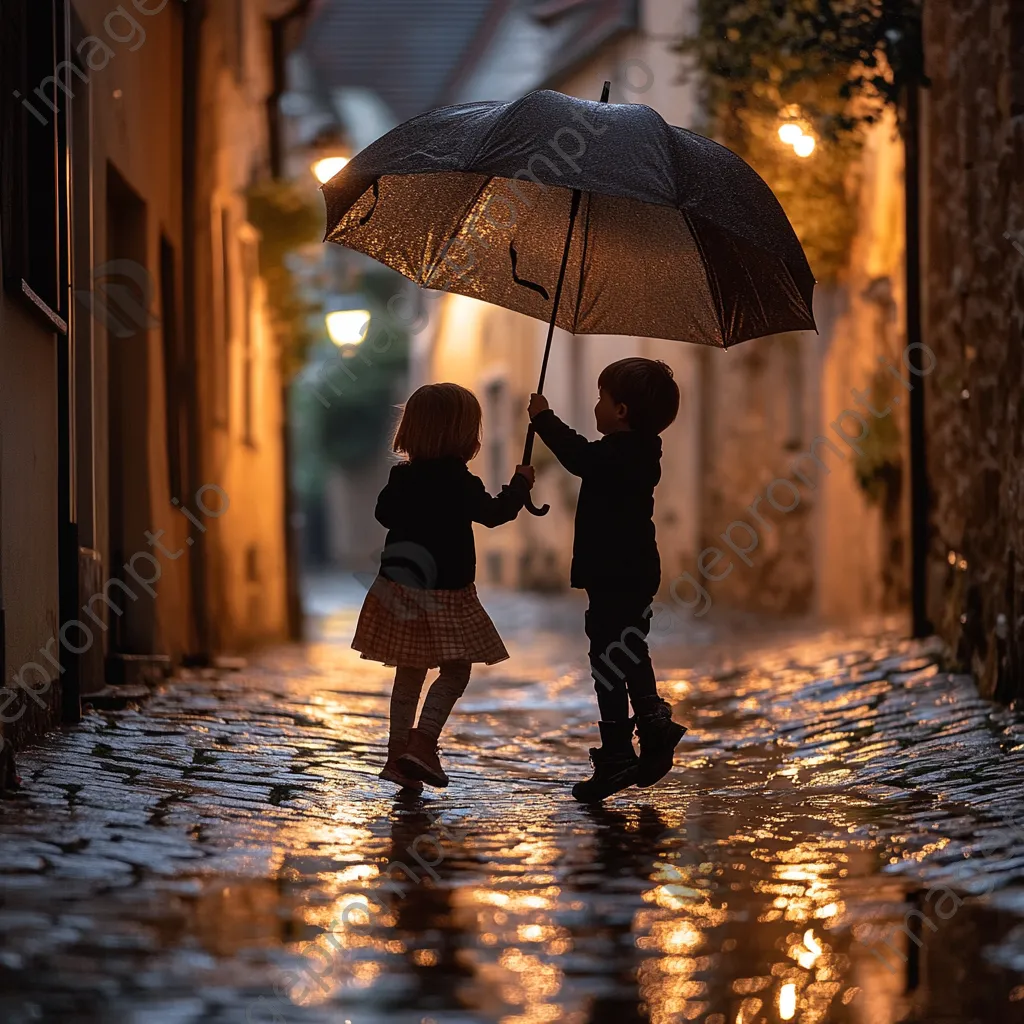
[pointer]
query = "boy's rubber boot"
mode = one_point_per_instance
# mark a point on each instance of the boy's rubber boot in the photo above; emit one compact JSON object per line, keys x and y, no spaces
{"x":615,"y":764}
{"x":658,"y":736}
{"x":420,"y":760}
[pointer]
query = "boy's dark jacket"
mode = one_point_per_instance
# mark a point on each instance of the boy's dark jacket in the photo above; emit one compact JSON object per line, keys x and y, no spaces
{"x":614,"y":547}
{"x":428,"y":507}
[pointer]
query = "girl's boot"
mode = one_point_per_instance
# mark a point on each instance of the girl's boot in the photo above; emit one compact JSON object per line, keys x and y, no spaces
{"x":658,"y":736}
{"x":420,"y":759}
{"x":392,"y":770}
{"x":615,"y":763}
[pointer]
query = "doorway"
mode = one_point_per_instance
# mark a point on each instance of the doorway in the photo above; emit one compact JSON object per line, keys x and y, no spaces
{"x":122,"y":295}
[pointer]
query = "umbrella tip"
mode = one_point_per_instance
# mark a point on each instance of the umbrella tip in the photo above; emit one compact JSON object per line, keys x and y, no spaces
{"x":605,"y":91}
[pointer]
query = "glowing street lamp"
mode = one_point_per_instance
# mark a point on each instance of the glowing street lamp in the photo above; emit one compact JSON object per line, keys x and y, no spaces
{"x":328,"y":152}
{"x":327,"y":167}
{"x":793,"y":133}
{"x":348,"y":326}
{"x":790,"y":133}
{"x":804,"y":146}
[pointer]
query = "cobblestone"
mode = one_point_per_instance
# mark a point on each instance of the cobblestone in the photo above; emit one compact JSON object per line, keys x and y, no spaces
{"x":226,"y":853}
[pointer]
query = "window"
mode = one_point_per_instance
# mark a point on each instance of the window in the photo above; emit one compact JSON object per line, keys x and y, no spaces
{"x":235,"y":39}
{"x":223,"y":239}
{"x":82,"y":324}
{"x":175,"y":372}
{"x":1016,"y":60}
{"x":794,"y":394}
{"x":37,"y":80}
{"x":495,"y":563}
{"x":226,"y":245}
{"x":496,"y":433}
{"x":250,"y":274}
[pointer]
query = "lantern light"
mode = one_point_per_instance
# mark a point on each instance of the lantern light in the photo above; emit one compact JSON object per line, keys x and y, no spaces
{"x":804,"y":146}
{"x":348,"y":326}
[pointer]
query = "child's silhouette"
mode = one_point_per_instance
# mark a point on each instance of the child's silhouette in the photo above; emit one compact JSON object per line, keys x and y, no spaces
{"x":615,"y":559}
{"x":422,"y":610}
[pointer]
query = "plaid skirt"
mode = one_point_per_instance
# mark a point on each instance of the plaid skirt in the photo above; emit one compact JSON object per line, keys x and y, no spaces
{"x":422,"y":628}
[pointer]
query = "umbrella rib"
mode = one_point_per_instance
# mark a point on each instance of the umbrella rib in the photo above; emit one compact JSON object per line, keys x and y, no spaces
{"x":716,"y":291}
{"x":458,"y":227}
{"x":498,"y":121}
{"x":583,"y":264}
{"x":365,"y":219}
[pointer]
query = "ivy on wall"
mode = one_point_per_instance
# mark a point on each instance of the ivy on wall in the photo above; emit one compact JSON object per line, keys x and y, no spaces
{"x":358,"y":425}
{"x":879,"y":465}
{"x":832,"y":66}
{"x":287,"y":221}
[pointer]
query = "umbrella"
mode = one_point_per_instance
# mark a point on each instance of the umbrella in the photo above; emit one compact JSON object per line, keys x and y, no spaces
{"x":598,"y":217}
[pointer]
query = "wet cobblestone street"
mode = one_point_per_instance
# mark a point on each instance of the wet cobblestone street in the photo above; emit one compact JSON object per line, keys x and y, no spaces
{"x":225,"y":853}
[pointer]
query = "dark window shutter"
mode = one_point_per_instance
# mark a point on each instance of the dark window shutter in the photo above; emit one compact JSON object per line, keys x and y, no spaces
{"x":1017,"y":58}
{"x":37,"y":82}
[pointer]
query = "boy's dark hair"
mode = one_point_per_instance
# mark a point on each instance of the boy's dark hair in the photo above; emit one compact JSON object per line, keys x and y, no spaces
{"x":647,"y":388}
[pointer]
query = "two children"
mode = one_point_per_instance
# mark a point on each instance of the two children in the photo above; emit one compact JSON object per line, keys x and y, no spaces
{"x":422,"y":610}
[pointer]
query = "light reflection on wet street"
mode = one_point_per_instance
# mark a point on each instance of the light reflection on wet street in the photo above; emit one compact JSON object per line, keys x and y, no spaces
{"x":226,"y":853}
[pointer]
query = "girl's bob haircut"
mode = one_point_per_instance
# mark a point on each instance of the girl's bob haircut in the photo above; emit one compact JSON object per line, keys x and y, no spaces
{"x":439,"y":421}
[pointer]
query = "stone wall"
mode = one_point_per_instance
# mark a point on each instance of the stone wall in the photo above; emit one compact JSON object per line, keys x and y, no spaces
{"x":973,"y":181}
{"x":832,"y":545}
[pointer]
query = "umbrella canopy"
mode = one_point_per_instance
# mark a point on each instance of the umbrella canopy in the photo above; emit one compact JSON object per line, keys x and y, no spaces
{"x":675,"y":236}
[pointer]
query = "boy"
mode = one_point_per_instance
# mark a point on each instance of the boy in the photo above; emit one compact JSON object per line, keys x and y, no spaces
{"x":615,"y":559}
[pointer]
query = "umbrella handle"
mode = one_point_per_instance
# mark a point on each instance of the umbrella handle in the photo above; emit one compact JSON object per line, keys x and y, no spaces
{"x":531,"y":433}
{"x":534,"y":510}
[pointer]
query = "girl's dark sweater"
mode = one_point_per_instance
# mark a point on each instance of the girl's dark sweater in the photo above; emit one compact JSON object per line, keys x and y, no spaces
{"x":428,"y":507}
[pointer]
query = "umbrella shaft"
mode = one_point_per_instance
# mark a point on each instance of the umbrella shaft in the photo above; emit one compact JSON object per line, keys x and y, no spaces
{"x":573,"y":210}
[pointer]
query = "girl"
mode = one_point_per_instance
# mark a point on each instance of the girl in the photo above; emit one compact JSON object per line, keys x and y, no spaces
{"x":422,"y":610}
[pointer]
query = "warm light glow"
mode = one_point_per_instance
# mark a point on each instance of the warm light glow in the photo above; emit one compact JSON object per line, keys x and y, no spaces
{"x":804,"y":146}
{"x":790,"y":132}
{"x":808,"y":957}
{"x":787,"y":1002}
{"x":328,"y":167}
{"x":348,"y":326}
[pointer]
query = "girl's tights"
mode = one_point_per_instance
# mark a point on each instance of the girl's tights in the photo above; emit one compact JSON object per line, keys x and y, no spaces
{"x":446,"y":689}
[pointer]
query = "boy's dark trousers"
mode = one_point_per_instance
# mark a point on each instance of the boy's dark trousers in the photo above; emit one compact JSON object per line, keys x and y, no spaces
{"x":617,"y":624}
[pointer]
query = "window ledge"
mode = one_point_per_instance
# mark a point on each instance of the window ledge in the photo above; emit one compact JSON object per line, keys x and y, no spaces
{"x":40,"y":308}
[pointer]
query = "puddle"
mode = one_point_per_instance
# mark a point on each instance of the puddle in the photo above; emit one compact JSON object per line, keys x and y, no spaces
{"x":228,"y":854}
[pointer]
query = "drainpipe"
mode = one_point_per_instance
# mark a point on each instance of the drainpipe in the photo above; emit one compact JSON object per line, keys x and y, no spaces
{"x":279,"y":31}
{"x":194,"y":13}
{"x":279,"y":27}
{"x":919,"y":500}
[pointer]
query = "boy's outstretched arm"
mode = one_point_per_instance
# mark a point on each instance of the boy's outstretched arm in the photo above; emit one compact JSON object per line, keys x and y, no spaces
{"x":572,"y":450}
{"x":504,"y":506}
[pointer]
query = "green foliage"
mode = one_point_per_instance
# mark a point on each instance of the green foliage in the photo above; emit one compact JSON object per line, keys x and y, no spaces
{"x":356,"y":424}
{"x":879,"y":469}
{"x":287,"y":221}
{"x":814,"y":192}
{"x":832,"y":65}
{"x":768,"y":53}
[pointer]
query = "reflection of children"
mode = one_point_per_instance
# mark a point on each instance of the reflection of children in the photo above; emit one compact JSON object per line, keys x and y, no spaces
{"x":422,"y":610}
{"x":615,"y":559}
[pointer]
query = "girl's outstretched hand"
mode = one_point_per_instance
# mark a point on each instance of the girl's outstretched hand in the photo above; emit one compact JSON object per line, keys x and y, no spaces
{"x":529,"y":472}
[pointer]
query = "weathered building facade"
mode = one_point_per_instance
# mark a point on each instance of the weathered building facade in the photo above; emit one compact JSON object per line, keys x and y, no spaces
{"x":819,"y":546}
{"x":141,"y":481}
{"x":973,"y":215}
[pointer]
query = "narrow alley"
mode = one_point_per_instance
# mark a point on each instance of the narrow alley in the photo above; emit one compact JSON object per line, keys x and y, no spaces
{"x":225,"y":853}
